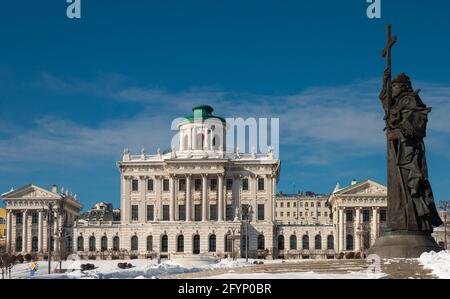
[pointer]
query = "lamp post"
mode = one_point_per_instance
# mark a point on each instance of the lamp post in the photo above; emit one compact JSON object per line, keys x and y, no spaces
{"x":49,"y":221}
{"x":246,"y":212}
{"x":443,"y":205}
{"x":232,"y":229}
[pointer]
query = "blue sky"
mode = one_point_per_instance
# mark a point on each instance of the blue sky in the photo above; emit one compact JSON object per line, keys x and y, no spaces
{"x":74,"y":93}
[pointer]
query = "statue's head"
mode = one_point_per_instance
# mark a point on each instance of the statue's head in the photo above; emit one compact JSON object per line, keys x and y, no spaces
{"x":401,"y":84}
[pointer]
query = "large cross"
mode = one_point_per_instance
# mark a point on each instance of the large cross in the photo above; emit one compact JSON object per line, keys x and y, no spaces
{"x":391,"y":40}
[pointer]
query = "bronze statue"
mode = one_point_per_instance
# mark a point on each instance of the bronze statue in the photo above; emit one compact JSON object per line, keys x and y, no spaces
{"x":411,"y":205}
{"x":412,"y":213}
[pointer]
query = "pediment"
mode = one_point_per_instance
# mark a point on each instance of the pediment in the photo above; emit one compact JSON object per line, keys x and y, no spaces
{"x":30,"y":192}
{"x":367,"y":187}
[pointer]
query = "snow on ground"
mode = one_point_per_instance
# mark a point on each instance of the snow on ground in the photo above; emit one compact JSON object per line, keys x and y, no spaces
{"x":300,"y":275}
{"x":438,"y":262}
{"x":108,"y":269}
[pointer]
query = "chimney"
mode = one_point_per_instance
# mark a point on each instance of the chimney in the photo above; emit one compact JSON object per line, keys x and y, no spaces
{"x":55,"y":189}
{"x":354,"y":182}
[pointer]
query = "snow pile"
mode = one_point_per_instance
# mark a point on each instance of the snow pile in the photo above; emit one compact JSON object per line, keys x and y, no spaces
{"x":438,"y":262}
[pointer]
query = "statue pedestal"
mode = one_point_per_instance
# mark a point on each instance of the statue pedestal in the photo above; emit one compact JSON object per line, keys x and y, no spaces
{"x":404,"y":244}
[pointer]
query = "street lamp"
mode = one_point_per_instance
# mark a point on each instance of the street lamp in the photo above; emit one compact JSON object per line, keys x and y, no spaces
{"x":50,"y":216}
{"x":444,"y":205}
{"x":246,"y":215}
{"x":232,"y":229}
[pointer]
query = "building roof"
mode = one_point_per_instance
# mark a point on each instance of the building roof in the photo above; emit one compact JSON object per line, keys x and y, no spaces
{"x":201,"y":112}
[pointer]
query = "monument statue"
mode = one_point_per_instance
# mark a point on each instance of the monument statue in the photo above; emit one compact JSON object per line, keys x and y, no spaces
{"x":412,"y":213}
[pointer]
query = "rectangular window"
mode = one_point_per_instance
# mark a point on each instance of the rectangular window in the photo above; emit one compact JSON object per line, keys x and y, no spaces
{"x":306,"y":214}
{"x":134,"y":213}
{"x":213,"y":184}
{"x":366,"y":215}
{"x":301,"y":205}
{"x":288,"y":205}
{"x":325,"y":214}
{"x":34,"y":218}
{"x":318,"y":204}
{"x":301,"y":214}
{"x":295,"y":204}
{"x":281,"y":214}
{"x":229,"y":213}
{"x":135,"y":185}
{"x":165,"y":185}
{"x":349,"y":215}
{"x":182,"y":212}
{"x":19,"y":218}
{"x":306,"y":204}
{"x":150,"y":185}
{"x":182,"y":185}
{"x":288,"y":214}
{"x":294,"y":214}
{"x":281,"y":204}
{"x":312,"y":205}
{"x":261,"y":184}
{"x":261,"y":212}
{"x":383,"y":215}
{"x":318,"y":214}
{"x":150,"y":213}
{"x":213,"y":212}
{"x":244,"y":184}
{"x":198,"y":184}
{"x":166,"y":213}
{"x":198,"y":212}
{"x":229,"y":184}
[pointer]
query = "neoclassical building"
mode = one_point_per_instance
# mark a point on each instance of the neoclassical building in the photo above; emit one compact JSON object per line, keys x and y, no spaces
{"x":199,"y":199}
{"x":190,"y":200}
{"x":27,"y":220}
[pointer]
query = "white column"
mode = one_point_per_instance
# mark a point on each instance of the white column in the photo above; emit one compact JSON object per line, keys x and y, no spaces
{"x":268,"y":209}
{"x":158,"y":204}
{"x":374,"y":230}
{"x":142,"y":205}
{"x":8,"y":231}
{"x":341,"y":227}
{"x":40,"y":232}
{"x":255,"y":199}
{"x":55,"y":230}
{"x":188,"y":198}
{"x":24,"y":231}
{"x":355,"y":229}
{"x":204,"y":198}
{"x":172,"y":198}
{"x":220,"y":197}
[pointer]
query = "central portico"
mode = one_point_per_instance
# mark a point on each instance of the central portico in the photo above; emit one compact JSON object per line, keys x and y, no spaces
{"x":189,"y":200}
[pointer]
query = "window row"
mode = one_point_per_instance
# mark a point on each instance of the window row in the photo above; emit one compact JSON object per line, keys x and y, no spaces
{"x":197,"y":185}
{"x":305,"y":242}
{"x":365,"y":215}
{"x":311,"y":204}
{"x":213,"y":210}
{"x":300,"y":214}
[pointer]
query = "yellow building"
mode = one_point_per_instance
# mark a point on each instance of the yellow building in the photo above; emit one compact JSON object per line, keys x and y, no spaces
{"x":2,"y":223}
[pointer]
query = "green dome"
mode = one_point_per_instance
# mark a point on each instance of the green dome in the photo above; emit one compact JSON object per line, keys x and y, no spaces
{"x":202,"y":112}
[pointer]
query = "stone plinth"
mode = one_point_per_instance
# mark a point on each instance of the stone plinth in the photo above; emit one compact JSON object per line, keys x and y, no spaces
{"x":401,"y":244}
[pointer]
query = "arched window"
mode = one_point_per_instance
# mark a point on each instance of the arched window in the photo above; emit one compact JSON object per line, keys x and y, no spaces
{"x":349,"y":242}
{"x":91,"y":243}
{"x":293,"y":242}
{"x":280,"y":242}
{"x":261,"y":242}
{"x":18,"y":244}
{"x":212,"y":243}
{"x":149,"y":243}
{"x":164,"y":244}
{"x":116,"y":243}
{"x":69,"y":244}
{"x":318,"y":242}
{"x":228,"y":243}
{"x":330,"y":242}
{"x":80,"y":244}
{"x":34,"y":244}
{"x":305,"y":242}
{"x":134,"y":243}
{"x":196,"y":247}
{"x":180,"y":243}
{"x":104,"y":243}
